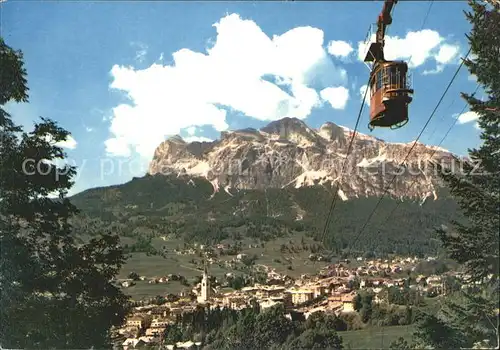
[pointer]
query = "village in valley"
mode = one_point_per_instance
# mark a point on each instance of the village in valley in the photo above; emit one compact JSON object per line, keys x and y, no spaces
{"x":331,"y":290}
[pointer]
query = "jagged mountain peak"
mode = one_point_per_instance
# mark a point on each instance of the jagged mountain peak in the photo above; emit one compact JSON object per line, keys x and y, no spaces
{"x":288,"y":152}
{"x":176,"y":139}
{"x":248,"y":134}
{"x":331,"y":131}
{"x":291,"y":129}
{"x":282,"y":125}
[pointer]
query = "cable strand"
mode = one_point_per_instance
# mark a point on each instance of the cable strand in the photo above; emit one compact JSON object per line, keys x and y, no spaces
{"x":349,"y":149}
{"x":413,"y":146}
{"x":432,"y":154}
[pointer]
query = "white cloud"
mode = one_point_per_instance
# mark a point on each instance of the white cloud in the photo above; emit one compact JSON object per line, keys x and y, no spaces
{"x":362,"y":91}
{"x":336,"y":96}
{"x":197,"y":139}
{"x":467,"y":117}
{"x":339,"y":48}
{"x":69,"y":143}
{"x":439,"y":68}
{"x":476,"y":125}
{"x":118,"y":147}
{"x":420,"y":46}
{"x":447,"y":53}
{"x":191,"y":130}
{"x":198,"y":87}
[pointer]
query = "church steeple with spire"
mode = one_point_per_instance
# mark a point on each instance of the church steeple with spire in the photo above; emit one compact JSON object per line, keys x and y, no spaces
{"x":205,"y":293}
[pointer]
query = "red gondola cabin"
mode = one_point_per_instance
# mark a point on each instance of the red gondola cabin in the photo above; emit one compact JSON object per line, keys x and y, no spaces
{"x":390,"y":94}
{"x":390,"y":88}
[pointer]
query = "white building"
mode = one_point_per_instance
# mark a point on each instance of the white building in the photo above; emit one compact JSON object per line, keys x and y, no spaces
{"x":206,"y":290}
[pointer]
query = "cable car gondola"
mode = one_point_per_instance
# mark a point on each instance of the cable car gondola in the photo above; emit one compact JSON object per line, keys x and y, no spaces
{"x":390,"y":87}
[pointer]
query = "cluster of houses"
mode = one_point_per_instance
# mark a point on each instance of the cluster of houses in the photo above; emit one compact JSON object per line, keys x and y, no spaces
{"x":332,"y":290}
{"x":377,"y":267}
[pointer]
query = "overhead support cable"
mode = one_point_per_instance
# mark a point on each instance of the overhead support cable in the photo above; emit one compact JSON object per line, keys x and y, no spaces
{"x":349,"y":149}
{"x":413,"y":146}
{"x":339,"y":179}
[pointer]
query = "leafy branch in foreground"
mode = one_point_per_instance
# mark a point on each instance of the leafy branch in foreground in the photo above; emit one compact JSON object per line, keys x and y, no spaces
{"x":54,"y":292}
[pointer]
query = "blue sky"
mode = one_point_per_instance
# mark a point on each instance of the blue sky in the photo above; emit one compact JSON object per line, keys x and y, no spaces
{"x":107,"y":72}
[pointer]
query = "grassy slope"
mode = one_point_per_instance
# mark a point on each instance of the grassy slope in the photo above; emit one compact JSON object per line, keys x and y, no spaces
{"x":157,"y":206}
{"x":375,"y":337}
{"x":269,"y":255}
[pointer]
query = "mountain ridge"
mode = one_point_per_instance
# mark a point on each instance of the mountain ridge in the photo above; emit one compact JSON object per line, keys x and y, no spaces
{"x":288,"y":152}
{"x":238,"y":186}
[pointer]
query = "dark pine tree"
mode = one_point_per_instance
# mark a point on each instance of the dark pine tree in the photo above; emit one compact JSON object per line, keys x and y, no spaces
{"x":55,"y":293}
{"x":470,"y":317}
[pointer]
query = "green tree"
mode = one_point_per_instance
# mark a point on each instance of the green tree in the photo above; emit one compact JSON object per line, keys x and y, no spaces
{"x":317,"y":338}
{"x":320,"y":333}
{"x":472,"y":316}
{"x":159,"y":300}
{"x":367,"y":308}
{"x":173,"y":334}
{"x":237,"y":282}
{"x":400,"y":344}
{"x":272,"y":327}
{"x":134,"y":276}
{"x":475,"y":243}
{"x":357,"y":302}
{"x":55,"y":293}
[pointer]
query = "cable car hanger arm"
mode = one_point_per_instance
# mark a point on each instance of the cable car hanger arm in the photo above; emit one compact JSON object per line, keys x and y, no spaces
{"x":376,"y":51}
{"x":384,"y":20}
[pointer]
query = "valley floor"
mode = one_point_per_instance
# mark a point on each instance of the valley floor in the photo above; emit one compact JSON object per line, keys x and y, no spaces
{"x":375,"y":337}
{"x":182,"y":264}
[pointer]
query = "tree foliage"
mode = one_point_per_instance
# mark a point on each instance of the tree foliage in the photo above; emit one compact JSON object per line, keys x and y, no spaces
{"x":471,"y":315}
{"x":55,"y":293}
{"x":400,"y":344}
{"x":154,"y":206}
{"x":252,"y":328}
{"x":475,"y":243}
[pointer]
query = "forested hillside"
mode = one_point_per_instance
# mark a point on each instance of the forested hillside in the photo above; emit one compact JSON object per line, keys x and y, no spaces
{"x":159,"y":205}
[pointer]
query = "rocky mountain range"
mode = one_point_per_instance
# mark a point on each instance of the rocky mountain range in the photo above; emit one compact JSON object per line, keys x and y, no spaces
{"x":273,"y":183}
{"x":288,"y":153}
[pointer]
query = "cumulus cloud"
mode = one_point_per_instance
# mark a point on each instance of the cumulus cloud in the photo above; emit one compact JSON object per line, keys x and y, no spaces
{"x":191,"y":130}
{"x":201,"y":88}
{"x":439,"y":68}
{"x":420,"y":46}
{"x":336,"y":96}
{"x":192,"y":137}
{"x":339,"y":48}
{"x":447,"y":53}
{"x":197,"y":139}
{"x":69,"y":143}
{"x":467,"y":117}
{"x":362,"y":91}
{"x":118,"y":146}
